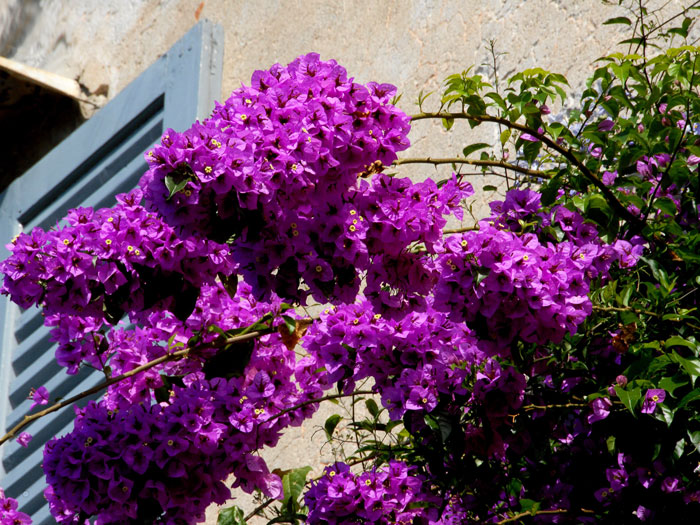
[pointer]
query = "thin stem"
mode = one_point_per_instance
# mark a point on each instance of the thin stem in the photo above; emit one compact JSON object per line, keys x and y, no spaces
{"x":461,"y":230}
{"x":676,"y":149}
{"x":492,"y":49}
{"x":180,"y":354}
{"x":680,"y":13}
{"x":567,"y":153}
{"x":528,"y":513}
{"x":625,"y":309}
{"x":317,"y":400}
{"x":474,"y":162}
{"x":645,"y":312}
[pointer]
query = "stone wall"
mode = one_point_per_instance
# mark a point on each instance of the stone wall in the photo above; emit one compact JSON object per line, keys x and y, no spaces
{"x":413,"y":44}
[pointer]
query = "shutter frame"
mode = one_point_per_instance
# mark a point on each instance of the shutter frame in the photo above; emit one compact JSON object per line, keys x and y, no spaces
{"x":102,"y":157}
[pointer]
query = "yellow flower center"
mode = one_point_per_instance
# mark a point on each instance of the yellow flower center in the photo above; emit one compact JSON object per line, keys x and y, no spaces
{"x":352,"y":228}
{"x":207,"y":169}
{"x":108,"y":241}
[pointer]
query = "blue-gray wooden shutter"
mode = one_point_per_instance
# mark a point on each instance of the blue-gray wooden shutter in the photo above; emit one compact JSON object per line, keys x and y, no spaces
{"x":100,"y":159}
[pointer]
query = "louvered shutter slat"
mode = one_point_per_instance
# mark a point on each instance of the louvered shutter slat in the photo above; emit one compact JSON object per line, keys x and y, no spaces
{"x":100,"y":159}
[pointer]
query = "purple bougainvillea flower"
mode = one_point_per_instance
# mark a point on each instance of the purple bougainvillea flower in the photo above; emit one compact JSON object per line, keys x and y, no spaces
{"x":609,"y":177}
{"x":606,"y":125}
{"x":601,"y":409}
{"x":24,"y":438}
{"x":693,"y":160}
{"x":529,"y":137}
{"x":643,"y":513}
{"x":40,"y":397}
{"x":670,"y":484}
{"x":654,"y":396}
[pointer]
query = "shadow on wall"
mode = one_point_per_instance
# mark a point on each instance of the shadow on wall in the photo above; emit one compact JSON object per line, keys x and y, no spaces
{"x":16,"y":20}
{"x":33,"y":119}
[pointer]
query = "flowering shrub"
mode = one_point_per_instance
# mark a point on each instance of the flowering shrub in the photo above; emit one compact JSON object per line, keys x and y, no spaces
{"x":539,"y":365}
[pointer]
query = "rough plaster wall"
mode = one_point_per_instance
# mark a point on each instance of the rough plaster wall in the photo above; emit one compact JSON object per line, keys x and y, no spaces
{"x":412,"y":44}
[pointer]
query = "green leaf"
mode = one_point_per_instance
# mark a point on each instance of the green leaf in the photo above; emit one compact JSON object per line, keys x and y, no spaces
{"x":529,"y":505}
{"x":629,"y":398}
{"x":618,"y":20}
{"x":691,"y":366}
{"x":505,"y":135}
{"x":290,"y":323}
{"x":174,"y":187}
{"x":372,"y":407}
{"x":448,"y":123}
{"x":293,"y":483}
{"x":666,"y":205}
{"x":482,"y":272}
{"x":474,"y":147}
{"x":663,"y":413}
{"x":677,"y":340}
{"x":488,"y":187}
{"x":610,"y":442}
{"x":689,"y":398}
{"x":670,"y":384}
{"x":330,"y":425}
{"x":694,"y":439}
{"x":231,"y":516}
{"x":678,"y":449}
{"x":439,"y":424}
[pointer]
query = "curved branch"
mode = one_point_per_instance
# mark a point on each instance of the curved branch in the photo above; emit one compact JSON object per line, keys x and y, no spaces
{"x":474,"y":162}
{"x":520,"y":515}
{"x":565,"y":152}
{"x":175,"y":356}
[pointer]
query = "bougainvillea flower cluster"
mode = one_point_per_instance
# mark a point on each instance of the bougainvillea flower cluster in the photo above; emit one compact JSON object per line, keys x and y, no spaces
{"x":509,"y":285}
{"x":473,"y":340}
{"x":275,"y":172}
{"x":130,"y":457}
{"x":103,"y":264}
{"x":391,"y":495}
{"x":8,"y":512}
